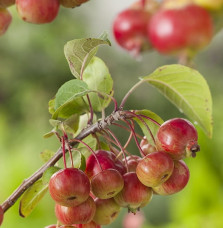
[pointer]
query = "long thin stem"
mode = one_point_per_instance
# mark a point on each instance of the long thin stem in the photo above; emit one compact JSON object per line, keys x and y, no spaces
{"x":120,"y":146}
{"x":90,"y":121}
{"x":100,"y":93}
{"x":64,"y":152}
{"x":150,"y":119}
{"x":145,"y":124}
{"x":136,"y":140}
{"x":129,"y":93}
{"x":127,"y":129}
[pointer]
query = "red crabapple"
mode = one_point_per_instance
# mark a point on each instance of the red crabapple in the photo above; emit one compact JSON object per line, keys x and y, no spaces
{"x":38,"y":12}
{"x":69,"y":187}
{"x":186,"y":29}
{"x":155,"y":168}
{"x":177,"y":181}
{"x":130,"y":29}
{"x":5,"y":20}
{"x":106,"y":159}
{"x":134,"y":194}
{"x":178,"y":137}
{"x":146,"y":147}
{"x":107,"y":183}
{"x":80,"y":214}
{"x":132,"y":162}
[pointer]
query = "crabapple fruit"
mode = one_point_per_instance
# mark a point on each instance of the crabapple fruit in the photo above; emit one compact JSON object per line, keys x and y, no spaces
{"x":134,"y":194}
{"x":107,"y":211}
{"x":80,"y":214}
{"x":106,"y":159}
{"x":177,"y":181}
{"x":130,"y":29}
{"x":146,"y":147}
{"x":107,"y":183}
{"x":69,"y":187}
{"x":155,"y":168}
{"x":132,"y":162}
{"x":186,"y":29}
{"x":178,"y":137}
{"x":38,"y":12}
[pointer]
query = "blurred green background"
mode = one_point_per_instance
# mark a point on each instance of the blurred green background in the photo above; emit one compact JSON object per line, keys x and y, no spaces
{"x":33,"y":67}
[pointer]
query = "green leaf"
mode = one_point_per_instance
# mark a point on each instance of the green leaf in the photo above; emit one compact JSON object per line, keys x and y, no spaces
{"x":83,"y":122}
{"x":46,"y":155}
{"x":32,"y":197}
{"x":48,"y":174}
{"x":71,"y":124}
{"x":48,"y":134}
{"x":79,"y":52}
{"x":152,"y":126}
{"x":69,"y":99}
{"x":188,"y":90}
{"x":98,"y":78}
{"x":51,"y":105}
{"x":79,"y":160}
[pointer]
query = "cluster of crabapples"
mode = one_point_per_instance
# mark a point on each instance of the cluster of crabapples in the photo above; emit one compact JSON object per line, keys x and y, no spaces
{"x":94,"y":197}
{"x":173,"y":27}
{"x":33,"y":11}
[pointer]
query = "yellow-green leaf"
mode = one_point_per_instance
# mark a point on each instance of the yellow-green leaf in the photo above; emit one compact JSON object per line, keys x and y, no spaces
{"x":187,"y":89}
{"x":32,"y":197}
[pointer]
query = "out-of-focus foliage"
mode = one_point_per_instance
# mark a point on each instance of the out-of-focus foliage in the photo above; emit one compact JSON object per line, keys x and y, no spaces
{"x":33,"y":67}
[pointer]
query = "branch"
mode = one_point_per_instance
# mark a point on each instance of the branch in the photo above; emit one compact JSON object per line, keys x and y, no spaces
{"x":98,"y":126}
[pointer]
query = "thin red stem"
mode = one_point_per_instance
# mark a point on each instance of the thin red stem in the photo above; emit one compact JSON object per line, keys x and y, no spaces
{"x":152,"y":120}
{"x":121,"y":126}
{"x":134,"y":135}
{"x":145,"y":124}
{"x":120,"y":146}
{"x":64,"y":152}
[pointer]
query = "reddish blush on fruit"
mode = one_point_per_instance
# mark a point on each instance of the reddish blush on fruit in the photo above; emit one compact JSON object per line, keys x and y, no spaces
{"x":107,"y":183}
{"x":81,"y":214}
{"x":177,"y":181}
{"x":186,"y":29}
{"x":130,"y":30}
{"x":155,"y":168}
{"x":5,"y":20}
{"x":106,"y":212}
{"x":178,"y":137}
{"x":69,"y":187}
{"x":38,"y":12}
{"x":106,"y":159}
{"x":132,"y":162}
{"x":134,"y":194}
{"x":146,"y":147}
